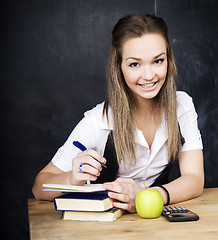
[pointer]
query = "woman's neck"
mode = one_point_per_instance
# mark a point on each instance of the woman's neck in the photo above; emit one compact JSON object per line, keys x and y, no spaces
{"x":148,"y":118}
{"x":148,"y":110}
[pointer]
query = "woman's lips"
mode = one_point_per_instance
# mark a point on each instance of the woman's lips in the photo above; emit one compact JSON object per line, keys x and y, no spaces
{"x":148,"y":86}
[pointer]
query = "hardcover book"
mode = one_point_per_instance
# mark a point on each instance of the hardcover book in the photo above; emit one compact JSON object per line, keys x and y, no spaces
{"x":81,"y":201}
{"x":108,"y":216}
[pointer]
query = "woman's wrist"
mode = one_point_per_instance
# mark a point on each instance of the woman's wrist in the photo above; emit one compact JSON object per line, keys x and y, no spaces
{"x":167,"y":194}
{"x":163,"y":194}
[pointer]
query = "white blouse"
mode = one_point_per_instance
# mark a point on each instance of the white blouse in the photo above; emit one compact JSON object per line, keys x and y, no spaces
{"x":92,"y":131}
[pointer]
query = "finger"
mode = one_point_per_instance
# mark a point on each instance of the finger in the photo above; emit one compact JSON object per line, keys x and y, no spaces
{"x":89,"y":161}
{"x":125,"y":206}
{"x":82,"y":174}
{"x":85,"y":168}
{"x":124,"y":180}
{"x":118,"y":196}
{"x":114,"y":187}
{"x":86,"y":160}
{"x":92,"y":153}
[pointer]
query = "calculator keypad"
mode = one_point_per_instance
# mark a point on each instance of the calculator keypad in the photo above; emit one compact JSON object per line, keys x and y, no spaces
{"x":179,"y":214}
{"x":175,"y":209}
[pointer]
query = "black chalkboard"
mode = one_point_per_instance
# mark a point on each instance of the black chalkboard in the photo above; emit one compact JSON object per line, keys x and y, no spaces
{"x":53,"y":56}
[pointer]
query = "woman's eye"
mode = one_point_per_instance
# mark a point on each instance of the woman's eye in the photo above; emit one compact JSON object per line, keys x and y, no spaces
{"x":158,"y":61}
{"x":135,"y":64}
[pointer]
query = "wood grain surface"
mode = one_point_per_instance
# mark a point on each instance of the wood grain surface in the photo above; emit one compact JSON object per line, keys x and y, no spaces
{"x":46,"y":223}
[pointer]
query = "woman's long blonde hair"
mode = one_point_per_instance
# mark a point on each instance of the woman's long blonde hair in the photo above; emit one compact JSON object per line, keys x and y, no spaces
{"x":119,"y":96}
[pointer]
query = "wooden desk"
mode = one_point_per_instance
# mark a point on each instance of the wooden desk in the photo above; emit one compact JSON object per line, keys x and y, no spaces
{"x":46,"y":223}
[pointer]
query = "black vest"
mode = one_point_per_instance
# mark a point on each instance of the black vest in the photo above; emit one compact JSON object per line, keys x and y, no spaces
{"x":109,"y":174}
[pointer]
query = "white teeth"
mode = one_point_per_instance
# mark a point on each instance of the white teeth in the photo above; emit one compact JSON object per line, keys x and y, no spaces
{"x":147,"y":85}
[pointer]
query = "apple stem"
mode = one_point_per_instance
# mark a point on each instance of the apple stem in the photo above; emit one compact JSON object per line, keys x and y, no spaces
{"x":144,"y":185}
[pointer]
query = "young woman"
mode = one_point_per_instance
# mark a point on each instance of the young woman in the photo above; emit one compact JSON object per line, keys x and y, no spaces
{"x":140,"y":130}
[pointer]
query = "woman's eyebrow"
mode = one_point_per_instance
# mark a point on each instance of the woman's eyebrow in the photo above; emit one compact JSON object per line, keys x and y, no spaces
{"x":138,"y":59}
{"x":159,"y":55}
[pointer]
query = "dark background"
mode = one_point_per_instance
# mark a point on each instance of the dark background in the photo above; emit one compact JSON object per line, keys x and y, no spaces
{"x":53,"y":55}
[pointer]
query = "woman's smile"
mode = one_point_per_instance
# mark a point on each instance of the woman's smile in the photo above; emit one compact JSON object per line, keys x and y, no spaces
{"x":148,"y":86}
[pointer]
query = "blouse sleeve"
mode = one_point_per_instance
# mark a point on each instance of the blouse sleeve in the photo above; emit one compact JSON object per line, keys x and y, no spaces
{"x":188,"y":123}
{"x":86,"y":132}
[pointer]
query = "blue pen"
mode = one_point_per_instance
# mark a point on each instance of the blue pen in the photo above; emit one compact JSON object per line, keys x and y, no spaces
{"x":83,"y":148}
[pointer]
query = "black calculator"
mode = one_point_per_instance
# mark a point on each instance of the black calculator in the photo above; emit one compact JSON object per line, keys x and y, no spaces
{"x":179,"y":214}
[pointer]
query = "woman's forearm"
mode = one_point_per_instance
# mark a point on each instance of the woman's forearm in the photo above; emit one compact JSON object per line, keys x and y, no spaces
{"x":46,"y":177}
{"x":183,"y":188}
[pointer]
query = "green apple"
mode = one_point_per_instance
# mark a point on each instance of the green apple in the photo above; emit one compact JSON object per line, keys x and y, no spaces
{"x":149,"y":203}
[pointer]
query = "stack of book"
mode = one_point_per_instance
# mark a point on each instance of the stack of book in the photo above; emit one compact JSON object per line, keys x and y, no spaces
{"x":85,"y":203}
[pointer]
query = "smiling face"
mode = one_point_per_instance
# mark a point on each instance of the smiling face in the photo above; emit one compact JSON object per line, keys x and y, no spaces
{"x":144,"y":65}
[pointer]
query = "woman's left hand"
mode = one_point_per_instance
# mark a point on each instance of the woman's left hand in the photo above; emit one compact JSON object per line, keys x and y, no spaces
{"x":124,"y":190}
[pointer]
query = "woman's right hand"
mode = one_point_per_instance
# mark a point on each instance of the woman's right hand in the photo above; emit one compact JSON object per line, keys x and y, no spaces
{"x":51,"y":174}
{"x":85,"y":167}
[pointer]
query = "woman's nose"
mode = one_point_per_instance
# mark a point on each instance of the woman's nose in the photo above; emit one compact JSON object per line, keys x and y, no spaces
{"x":147,"y":73}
